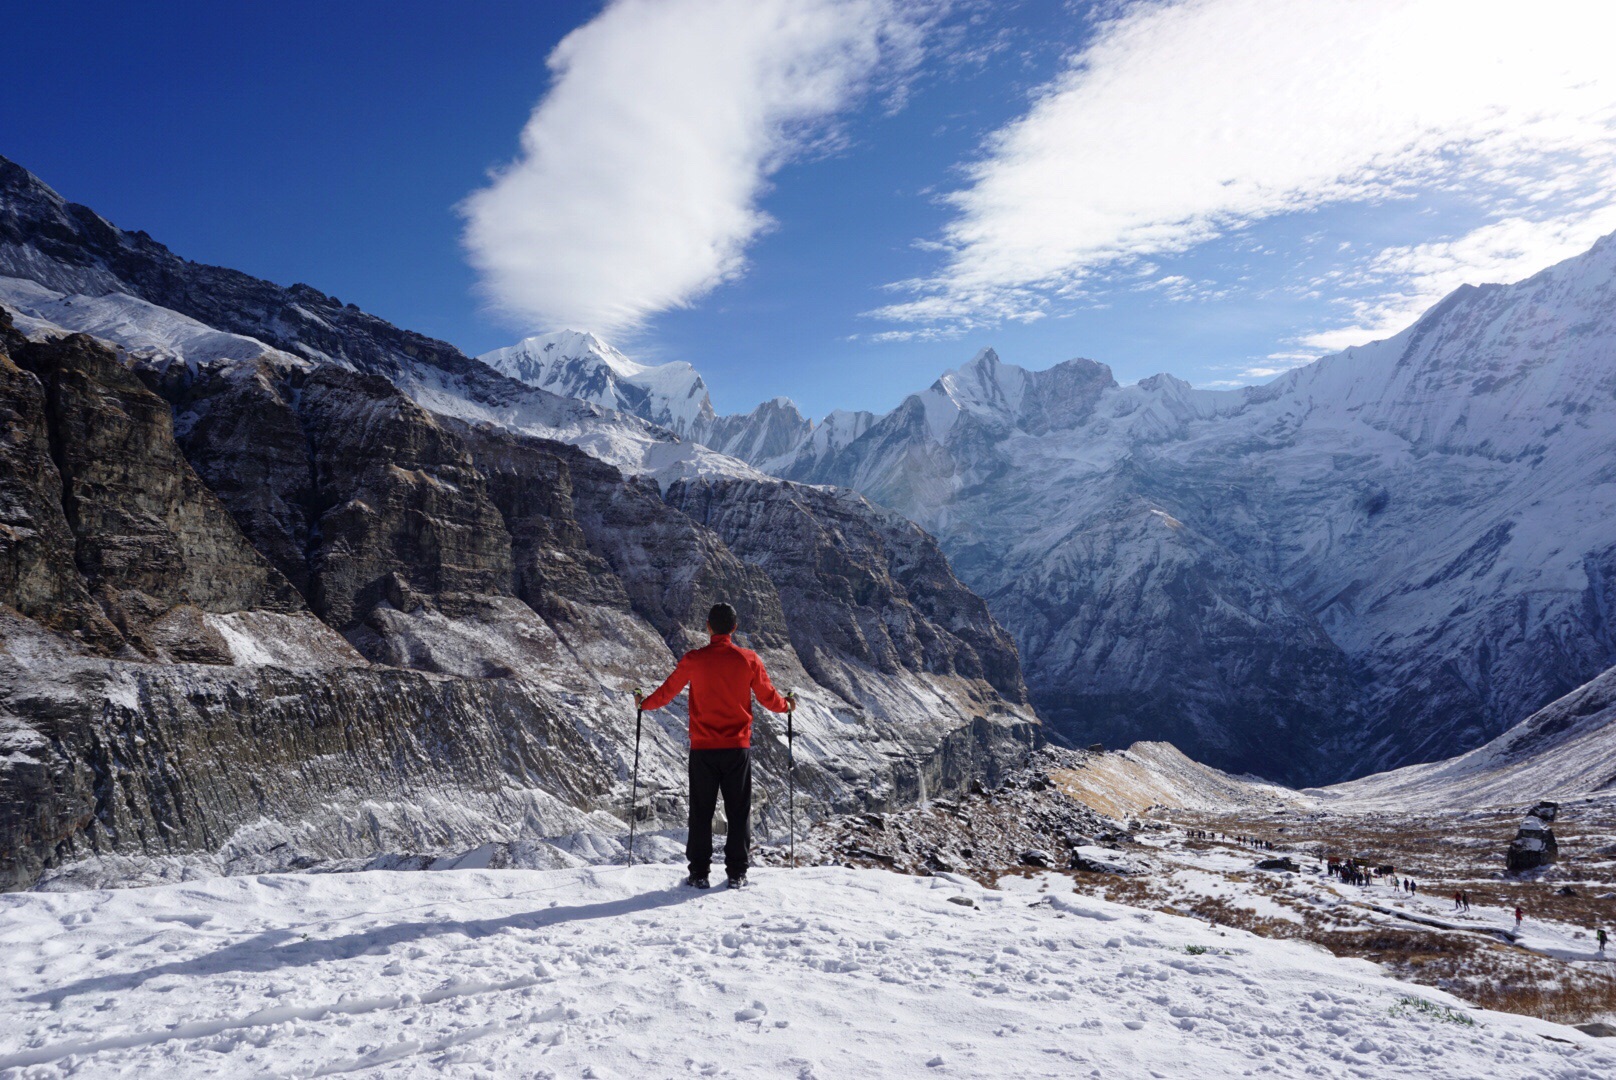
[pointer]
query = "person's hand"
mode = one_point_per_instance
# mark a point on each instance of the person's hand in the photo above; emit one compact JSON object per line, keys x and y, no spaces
{"x":639,"y":697}
{"x":791,"y":701}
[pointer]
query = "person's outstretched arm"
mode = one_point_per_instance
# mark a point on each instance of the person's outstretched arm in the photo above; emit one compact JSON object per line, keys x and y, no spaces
{"x":670,"y":689}
{"x":766,"y":694}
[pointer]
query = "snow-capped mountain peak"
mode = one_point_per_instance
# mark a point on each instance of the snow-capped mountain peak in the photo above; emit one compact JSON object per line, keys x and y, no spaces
{"x":578,"y":364}
{"x":546,"y":351}
{"x":986,"y":382}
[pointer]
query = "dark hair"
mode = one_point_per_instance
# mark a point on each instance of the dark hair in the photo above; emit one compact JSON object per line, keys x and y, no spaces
{"x":722,"y":620}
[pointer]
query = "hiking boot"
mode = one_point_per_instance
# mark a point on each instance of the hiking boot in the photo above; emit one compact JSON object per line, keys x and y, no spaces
{"x":737,"y":882}
{"x":697,"y":882}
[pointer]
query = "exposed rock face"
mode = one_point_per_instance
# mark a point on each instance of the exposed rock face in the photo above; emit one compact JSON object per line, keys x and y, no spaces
{"x":149,"y":541}
{"x":249,"y":765}
{"x":856,"y":583}
{"x":360,"y":495}
{"x":37,"y":571}
{"x":342,"y":624}
{"x":400,"y":506}
{"x":1534,"y":845}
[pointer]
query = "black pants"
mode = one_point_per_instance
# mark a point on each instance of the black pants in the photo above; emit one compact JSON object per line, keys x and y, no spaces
{"x":712,"y":771}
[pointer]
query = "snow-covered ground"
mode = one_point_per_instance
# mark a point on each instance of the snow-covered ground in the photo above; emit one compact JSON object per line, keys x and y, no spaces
{"x":602,"y":972}
{"x":1212,"y":872}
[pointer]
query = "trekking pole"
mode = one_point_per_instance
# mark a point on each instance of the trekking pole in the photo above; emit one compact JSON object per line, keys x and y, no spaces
{"x":634,"y":797}
{"x":791,"y":775}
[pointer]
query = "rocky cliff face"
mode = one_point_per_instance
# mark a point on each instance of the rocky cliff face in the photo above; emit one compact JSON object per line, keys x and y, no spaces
{"x":861,"y":588}
{"x":262,"y":608}
{"x":37,"y":568}
{"x":121,"y":511}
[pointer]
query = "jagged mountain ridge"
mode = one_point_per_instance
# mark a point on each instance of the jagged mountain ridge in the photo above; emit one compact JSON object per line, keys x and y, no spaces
{"x":435,"y":616}
{"x":75,"y":253}
{"x":580,"y":365}
{"x":671,"y":395}
{"x":1426,"y":517}
{"x":1387,"y":556}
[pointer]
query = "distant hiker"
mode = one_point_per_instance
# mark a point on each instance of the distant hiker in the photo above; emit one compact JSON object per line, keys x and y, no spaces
{"x":722,"y":678}
{"x":1466,"y":898}
{"x":1458,"y":900}
{"x":1519,"y":915}
{"x":1603,"y":937}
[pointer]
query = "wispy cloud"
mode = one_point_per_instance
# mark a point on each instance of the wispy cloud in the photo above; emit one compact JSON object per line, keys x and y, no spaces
{"x":1182,"y":122}
{"x":638,"y":183}
{"x":1399,"y":283}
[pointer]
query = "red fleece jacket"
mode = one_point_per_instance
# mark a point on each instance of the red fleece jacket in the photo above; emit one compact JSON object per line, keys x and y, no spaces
{"x":722,"y":678}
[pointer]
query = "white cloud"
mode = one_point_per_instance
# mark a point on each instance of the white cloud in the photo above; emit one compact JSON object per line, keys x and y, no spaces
{"x":640,"y":171}
{"x":1183,"y":121}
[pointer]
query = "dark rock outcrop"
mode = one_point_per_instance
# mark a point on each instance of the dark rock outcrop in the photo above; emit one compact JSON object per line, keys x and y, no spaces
{"x":38,"y":575}
{"x":856,"y":582}
{"x":149,"y":541}
{"x":1534,"y":845}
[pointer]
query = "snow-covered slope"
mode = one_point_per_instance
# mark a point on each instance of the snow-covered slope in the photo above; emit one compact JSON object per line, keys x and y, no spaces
{"x":152,"y":334}
{"x":1565,"y":750}
{"x":810,"y":973}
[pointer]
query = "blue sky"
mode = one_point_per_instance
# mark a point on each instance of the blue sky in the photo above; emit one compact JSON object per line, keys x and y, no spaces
{"x":835,"y":200}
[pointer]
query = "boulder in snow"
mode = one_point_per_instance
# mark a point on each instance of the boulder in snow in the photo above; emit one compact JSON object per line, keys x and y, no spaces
{"x":1099,"y":860}
{"x":1534,"y":845}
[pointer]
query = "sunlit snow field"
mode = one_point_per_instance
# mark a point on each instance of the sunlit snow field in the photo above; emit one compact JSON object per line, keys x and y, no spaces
{"x":615,"y":972}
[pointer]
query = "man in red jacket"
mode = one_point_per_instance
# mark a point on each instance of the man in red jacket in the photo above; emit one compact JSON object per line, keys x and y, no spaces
{"x":722,"y":678}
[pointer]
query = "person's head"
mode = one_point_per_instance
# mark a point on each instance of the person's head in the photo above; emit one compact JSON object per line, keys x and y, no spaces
{"x":721,"y":619}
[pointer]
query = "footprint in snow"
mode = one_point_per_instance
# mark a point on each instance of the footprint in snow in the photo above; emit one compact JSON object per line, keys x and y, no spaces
{"x":757,"y":1012}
